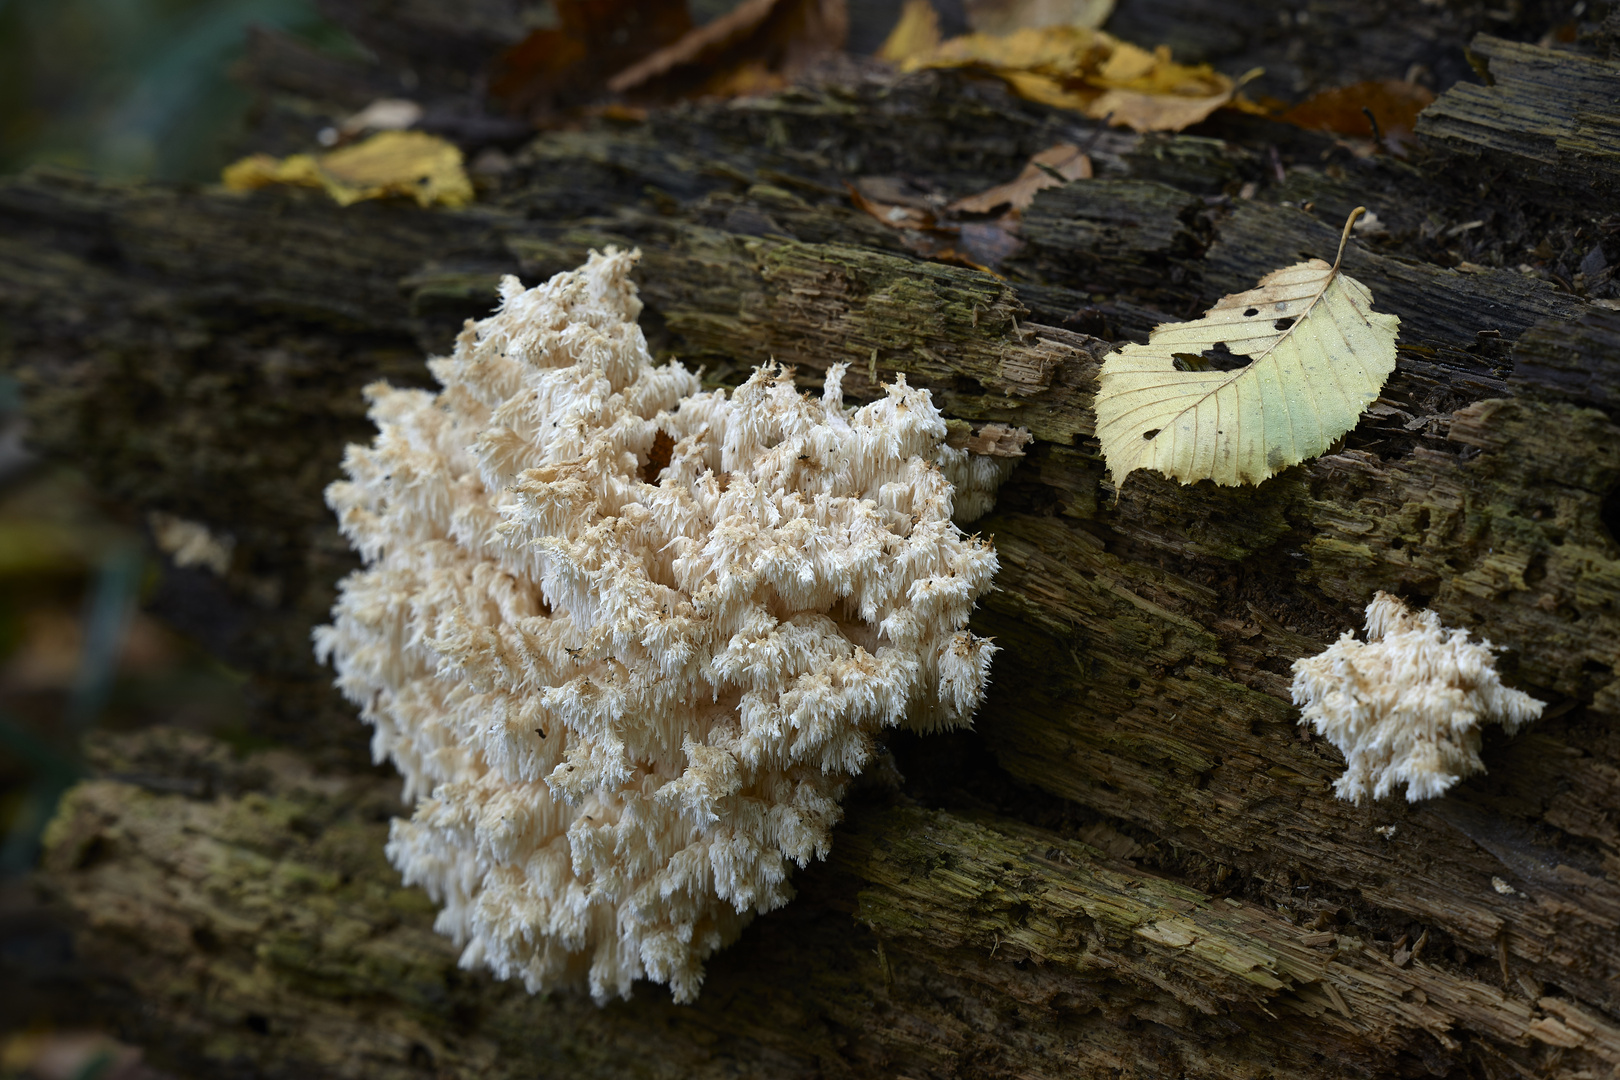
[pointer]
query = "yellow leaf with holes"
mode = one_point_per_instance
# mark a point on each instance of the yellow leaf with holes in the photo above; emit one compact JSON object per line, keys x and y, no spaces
{"x":1318,"y":353}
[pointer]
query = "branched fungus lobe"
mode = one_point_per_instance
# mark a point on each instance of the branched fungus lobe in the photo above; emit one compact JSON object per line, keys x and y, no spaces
{"x":627,"y":640}
{"x":1406,"y":705}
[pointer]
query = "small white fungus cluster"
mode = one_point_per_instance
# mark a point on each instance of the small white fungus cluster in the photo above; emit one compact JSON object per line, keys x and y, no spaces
{"x":628,"y":640}
{"x":1406,"y":706}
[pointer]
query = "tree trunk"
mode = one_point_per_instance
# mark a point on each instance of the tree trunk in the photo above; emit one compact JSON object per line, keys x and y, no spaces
{"x":1135,"y":864}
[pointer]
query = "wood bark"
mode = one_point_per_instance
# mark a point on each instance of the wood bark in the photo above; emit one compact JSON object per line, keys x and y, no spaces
{"x":1135,"y":864}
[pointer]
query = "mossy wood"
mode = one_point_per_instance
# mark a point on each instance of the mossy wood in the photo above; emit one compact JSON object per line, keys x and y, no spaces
{"x":1136,"y":865}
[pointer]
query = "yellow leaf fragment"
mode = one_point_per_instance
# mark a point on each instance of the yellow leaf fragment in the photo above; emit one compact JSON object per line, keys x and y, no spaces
{"x":1049,"y":168}
{"x":409,"y":163}
{"x":1090,"y":72}
{"x":1320,"y":355}
{"x":1056,"y":52}
{"x":1155,"y":112}
{"x":916,"y":33}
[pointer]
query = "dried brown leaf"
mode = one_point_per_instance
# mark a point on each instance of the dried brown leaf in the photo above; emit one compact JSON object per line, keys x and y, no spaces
{"x":1154,"y":112}
{"x":886,"y":201}
{"x":758,"y":46}
{"x":1050,"y":168}
{"x":979,"y":245}
{"x":1345,"y":110}
{"x":566,"y":66}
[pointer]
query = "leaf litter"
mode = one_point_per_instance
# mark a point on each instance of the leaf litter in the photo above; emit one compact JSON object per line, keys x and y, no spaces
{"x":1373,"y":115}
{"x":1070,"y":66}
{"x":561,"y":68}
{"x":1052,"y":167}
{"x":758,"y":47}
{"x":605,"y":55}
{"x":959,"y":232}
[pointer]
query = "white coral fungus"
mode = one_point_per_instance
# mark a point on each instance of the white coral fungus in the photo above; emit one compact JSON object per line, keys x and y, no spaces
{"x":1406,"y":705}
{"x":628,"y":640}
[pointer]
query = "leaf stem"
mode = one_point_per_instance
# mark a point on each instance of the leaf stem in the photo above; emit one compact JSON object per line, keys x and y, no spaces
{"x":1345,"y":236}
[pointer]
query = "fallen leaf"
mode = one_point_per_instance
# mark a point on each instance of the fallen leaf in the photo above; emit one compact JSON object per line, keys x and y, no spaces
{"x":1092,"y":73}
{"x":1051,"y":167}
{"x":1055,"y":52}
{"x":1154,"y":112}
{"x":556,"y":69}
{"x":1005,"y":16}
{"x":758,"y":46}
{"x":1319,"y":356}
{"x":408,"y":163}
{"x":915,"y":33}
{"x":977,"y":245}
{"x":893,"y":202}
{"x":932,"y":230}
{"x":1393,"y":103}
{"x":747,"y":79}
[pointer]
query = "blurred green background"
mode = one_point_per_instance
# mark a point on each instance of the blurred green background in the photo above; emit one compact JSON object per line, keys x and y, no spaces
{"x":129,"y":90}
{"x":141,"y":89}
{"x":132,"y":89}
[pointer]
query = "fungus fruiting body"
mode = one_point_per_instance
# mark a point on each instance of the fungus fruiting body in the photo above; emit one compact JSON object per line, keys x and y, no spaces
{"x":627,"y":640}
{"x":1406,"y":705}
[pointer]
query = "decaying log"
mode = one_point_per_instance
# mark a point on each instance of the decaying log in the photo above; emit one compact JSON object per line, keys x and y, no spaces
{"x":1136,"y":865}
{"x":260,"y":922}
{"x":1550,"y":117}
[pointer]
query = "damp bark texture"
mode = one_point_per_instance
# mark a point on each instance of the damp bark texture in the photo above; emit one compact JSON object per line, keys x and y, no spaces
{"x":1135,"y":864}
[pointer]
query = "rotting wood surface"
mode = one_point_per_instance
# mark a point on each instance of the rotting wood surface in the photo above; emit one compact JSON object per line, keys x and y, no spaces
{"x":1151,"y":877}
